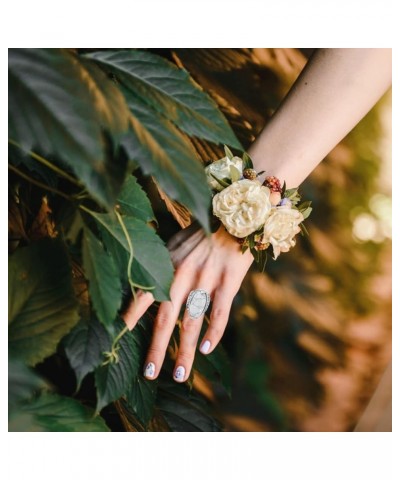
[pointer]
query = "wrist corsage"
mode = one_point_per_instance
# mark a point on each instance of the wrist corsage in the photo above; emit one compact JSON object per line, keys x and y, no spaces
{"x":264,"y":217}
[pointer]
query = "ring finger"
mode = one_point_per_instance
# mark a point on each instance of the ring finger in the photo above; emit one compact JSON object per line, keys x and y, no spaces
{"x":219,"y":317}
{"x":190,"y":331}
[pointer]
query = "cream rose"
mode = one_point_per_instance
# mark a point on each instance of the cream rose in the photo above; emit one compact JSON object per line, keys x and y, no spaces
{"x":281,"y":227}
{"x":221,"y":169}
{"x":242,"y":207}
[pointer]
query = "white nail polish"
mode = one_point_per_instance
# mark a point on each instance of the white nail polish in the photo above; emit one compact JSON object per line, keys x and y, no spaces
{"x":205,"y":347}
{"x":149,"y":371}
{"x":179,"y":374}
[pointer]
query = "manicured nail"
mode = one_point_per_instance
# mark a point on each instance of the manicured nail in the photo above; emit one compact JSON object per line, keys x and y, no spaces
{"x":179,"y":374}
{"x":205,"y":346}
{"x":149,"y":371}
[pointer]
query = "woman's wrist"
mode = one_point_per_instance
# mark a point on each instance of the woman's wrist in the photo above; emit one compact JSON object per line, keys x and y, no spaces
{"x":333,"y":92}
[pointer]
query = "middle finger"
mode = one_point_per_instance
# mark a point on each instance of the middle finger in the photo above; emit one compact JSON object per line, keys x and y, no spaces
{"x":164,"y":324}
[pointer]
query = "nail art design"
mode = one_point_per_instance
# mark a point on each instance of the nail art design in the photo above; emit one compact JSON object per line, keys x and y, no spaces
{"x":205,"y":347}
{"x":149,"y":371}
{"x":179,"y":374}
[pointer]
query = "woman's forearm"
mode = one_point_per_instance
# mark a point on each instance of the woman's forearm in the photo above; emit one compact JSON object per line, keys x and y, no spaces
{"x":332,"y":94}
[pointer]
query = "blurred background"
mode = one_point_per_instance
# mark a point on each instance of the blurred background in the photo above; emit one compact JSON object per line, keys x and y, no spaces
{"x":310,"y":339}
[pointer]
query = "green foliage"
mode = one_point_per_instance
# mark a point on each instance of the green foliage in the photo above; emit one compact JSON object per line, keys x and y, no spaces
{"x":224,"y":182}
{"x":169,"y":90}
{"x":23,"y":382}
{"x":103,"y":277}
{"x":184,"y":410}
{"x":306,"y":209}
{"x":42,"y":304}
{"x":247,"y":161}
{"x":292,"y":194}
{"x":55,"y":413}
{"x":57,"y":106}
{"x":151,"y":266}
{"x":163,"y":151}
{"x":133,"y":201}
{"x":228,"y":152}
{"x":79,"y":124}
{"x":141,"y":398}
{"x":32,"y":407}
{"x":85,"y":346}
{"x":215,"y":366}
{"x":122,"y":363}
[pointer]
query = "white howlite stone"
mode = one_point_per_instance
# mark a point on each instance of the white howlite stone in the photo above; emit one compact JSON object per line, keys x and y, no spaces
{"x":197,"y":303}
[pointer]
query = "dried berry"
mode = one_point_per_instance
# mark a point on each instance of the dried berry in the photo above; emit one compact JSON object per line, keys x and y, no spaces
{"x":250,"y":174}
{"x":273,"y":184}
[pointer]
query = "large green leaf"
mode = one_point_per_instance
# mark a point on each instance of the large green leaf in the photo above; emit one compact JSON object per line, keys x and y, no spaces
{"x":152,"y":265}
{"x":134,"y":201}
{"x":216,"y":367}
{"x":18,"y":157}
{"x":115,"y":378}
{"x":41,"y":303}
{"x":142,"y":397}
{"x":84,"y":347}
{"x":110,"y":105}
{"x":23,"y":383}
{"x":103,"y":276}
{"x":161,"y":150}
{"x":61,"y":107}
{"x":184,"y":410}
{"x":55,"y":413}
{"x":171,"y":91}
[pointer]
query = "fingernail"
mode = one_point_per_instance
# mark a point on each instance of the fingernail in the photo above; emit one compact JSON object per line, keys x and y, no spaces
{"x":205,"y":346}
{"x":149,"y":371}
{"x":179,"y":374}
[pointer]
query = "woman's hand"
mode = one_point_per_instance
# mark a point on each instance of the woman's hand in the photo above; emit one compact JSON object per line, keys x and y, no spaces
{"x":215,"y":265}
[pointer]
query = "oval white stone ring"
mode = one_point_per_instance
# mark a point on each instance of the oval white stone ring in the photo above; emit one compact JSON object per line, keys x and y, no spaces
{"x":197,"y":303}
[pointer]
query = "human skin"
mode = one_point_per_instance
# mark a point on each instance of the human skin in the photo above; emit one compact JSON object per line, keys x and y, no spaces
{"x":332,"y":94}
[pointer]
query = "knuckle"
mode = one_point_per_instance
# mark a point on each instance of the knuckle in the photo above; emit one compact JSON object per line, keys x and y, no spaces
{"x":185,"y":356}
{"x":162,"y":321}
{"x":154,"y":351}
{"x":215,"y":331}
{"x":185,"y":267}
{"x":209,"y":263}
{"x":189,"y":326}
{"x":230,"y":282}
{"x":219,"y":314}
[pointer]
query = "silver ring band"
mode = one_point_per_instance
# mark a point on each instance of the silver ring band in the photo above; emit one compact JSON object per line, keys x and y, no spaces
{"x":197,"y":303}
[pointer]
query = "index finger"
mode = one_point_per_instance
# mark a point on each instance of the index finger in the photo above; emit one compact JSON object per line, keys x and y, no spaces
{"x":137,"y":308}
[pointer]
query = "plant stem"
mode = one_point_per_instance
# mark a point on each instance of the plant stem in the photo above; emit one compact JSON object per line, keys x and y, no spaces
{"x":132,"y":284}
{"x":119,"y":336}
{"x":39,"y":184}
{"x":47,"y":163}
{"x":112,"y":356}
{"x":131,"y":252}
{"x":85,"y":209}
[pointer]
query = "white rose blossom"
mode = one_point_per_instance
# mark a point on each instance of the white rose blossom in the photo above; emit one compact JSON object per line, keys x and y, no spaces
{"x":221,"y":169}
{"x":243,"y":207}
{"x":281,"y":227}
